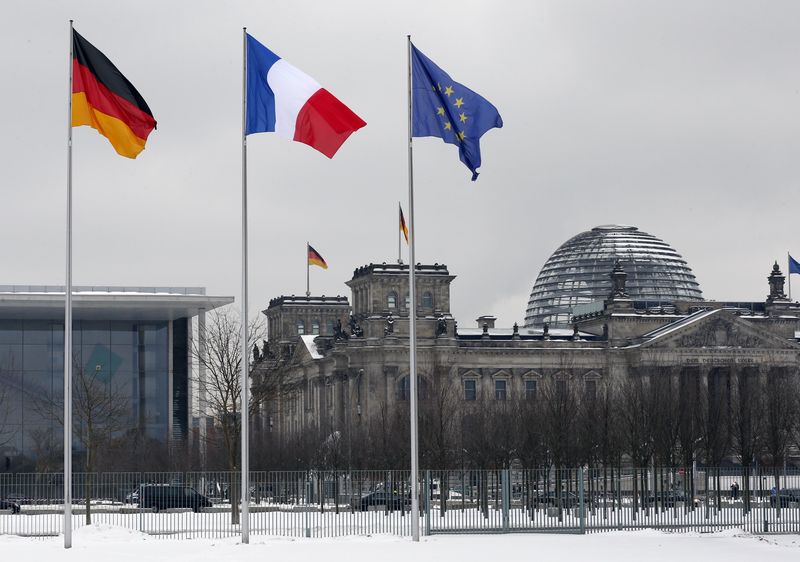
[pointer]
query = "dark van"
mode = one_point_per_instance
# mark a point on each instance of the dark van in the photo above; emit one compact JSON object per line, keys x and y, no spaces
{"x":159,"y":496}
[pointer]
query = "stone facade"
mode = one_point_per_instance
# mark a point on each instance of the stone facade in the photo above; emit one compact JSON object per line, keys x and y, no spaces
{"x":338,"y":382}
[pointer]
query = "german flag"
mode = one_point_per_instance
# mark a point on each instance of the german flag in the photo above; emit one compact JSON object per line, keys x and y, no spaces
{"x":403,"y":227}
{"x":314,"y":258}
{"x":103,"y":99}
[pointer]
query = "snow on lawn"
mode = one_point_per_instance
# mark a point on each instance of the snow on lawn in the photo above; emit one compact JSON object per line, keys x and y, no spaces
{"x":103,"y":543}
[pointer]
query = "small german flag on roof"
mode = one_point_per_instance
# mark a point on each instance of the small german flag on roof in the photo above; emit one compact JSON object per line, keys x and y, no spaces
{"x":103,"y":99}
{"x":315,"y":259}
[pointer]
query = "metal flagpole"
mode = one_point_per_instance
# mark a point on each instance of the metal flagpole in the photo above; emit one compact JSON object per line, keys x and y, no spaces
{"x":308,"y":272}
{"x":789,"y":272}
{"x":412,"y":318}
{"x":399,"y":234}
{"x":245,"y":393}
{"x":68,"y":324}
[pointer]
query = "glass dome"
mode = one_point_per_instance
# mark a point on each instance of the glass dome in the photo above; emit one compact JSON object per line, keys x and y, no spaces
{"x":578,"y":273}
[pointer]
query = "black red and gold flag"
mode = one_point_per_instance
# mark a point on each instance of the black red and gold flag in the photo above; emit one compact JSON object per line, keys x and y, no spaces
{"x":315,"y":259}
{"x":105,"y":100}
{"x":403,"y":227}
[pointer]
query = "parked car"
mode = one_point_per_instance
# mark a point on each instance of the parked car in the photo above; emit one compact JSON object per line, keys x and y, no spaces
{"x":10,"y":504}
{"x":550,"y":499}
{"x":133,"y":497}
{"x":389,"y":500}
{"x":788,"y":496}
{"x":159,"y":496}
{"x":19,"y":499}
{"x":667,"y":498}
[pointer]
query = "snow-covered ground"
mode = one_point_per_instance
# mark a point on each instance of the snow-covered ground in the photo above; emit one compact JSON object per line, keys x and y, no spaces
{"x":101,"y":543}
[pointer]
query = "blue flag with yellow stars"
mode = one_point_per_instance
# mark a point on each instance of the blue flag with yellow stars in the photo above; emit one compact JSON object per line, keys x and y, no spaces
{"x":446,"y":109}
{"x":794,"y":266}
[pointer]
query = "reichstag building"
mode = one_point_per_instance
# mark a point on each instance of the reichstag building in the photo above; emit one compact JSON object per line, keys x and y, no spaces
{"x":609,"y":304}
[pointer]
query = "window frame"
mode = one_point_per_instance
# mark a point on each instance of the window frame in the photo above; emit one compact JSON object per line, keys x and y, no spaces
{"x":474,"y":391}
{"x":501,"y":389}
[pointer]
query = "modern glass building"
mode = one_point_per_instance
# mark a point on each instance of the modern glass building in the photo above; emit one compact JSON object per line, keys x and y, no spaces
{"x":132,"y":343}
{"x":578,"y":273}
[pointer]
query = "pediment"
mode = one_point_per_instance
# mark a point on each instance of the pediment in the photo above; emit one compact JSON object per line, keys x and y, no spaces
{"x":306,"y":350}
{"x":716,"y":329}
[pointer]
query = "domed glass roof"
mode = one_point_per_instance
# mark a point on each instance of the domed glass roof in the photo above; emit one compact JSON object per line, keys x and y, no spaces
{"x":578,"y":273}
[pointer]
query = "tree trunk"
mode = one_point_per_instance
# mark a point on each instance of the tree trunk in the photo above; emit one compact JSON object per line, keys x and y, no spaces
{"x":88,"y":486}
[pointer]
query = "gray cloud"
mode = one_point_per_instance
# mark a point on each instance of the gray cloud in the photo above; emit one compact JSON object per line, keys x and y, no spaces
{"x":679,"y":117}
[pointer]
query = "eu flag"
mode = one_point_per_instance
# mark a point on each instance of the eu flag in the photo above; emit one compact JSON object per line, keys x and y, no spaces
{"x":446,"y":109}
{"x":794,"y":267}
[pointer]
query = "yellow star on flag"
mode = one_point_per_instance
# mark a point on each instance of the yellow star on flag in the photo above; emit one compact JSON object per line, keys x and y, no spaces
{"x":463,"y":118}
{"x":448,"y":91}
{"x":447,"y":126}
{"x":461,"y":135}
{"x":439,"y":111}
{"x":459,"y":102}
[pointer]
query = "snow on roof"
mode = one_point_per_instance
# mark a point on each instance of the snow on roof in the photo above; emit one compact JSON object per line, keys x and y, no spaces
{"x":101,"y":290}
{"x":554,"y":332}
{"x":672,"y":326}
{"x":311,"y":346}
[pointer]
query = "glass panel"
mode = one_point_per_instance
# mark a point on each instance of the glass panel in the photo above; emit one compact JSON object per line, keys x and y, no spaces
{"x":500,"y":390}
{"x":469,"y":390}
{"x":37,"y":332}
{"x":123,"y":333}
{"x":10,"y":356}
{"x":37,"y":357}
{"x":10,"y":331}
{"x":530,"y":390}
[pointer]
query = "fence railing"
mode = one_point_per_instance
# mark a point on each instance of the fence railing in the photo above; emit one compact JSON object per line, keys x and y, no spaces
{"x":334,"y":503}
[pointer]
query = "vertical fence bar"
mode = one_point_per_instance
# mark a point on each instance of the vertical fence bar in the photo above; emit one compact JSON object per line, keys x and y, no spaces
{"x":505,"y":496}
{"x":581,"y":502}
{"x":428,"y":502}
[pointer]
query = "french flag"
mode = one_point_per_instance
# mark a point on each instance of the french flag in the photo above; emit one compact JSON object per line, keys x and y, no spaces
{"x":284,"y":100}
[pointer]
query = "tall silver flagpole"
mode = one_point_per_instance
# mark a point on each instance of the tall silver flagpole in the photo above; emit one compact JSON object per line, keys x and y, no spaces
{"x":412,"y":317}
{"x":245,"y":410}
{"x":789,"y":272}
{"x":308,"y":272}
{"x":68,"y":324}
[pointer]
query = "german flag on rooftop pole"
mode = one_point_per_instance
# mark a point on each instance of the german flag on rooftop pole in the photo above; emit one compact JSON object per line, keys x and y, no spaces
{"x":105,"y":100}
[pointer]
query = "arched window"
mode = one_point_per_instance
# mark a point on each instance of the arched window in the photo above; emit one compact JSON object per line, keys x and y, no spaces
{"x":427,"y":299}
{"x":315,"y":327}
{"x":301,"y":327}
{"x":391,"y":300}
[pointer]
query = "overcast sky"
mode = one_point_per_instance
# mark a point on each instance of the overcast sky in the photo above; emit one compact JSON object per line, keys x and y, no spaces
{"x":682,"y":118}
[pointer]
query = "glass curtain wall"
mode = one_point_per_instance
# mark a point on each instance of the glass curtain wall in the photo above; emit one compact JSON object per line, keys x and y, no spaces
{"x":127,"y":360}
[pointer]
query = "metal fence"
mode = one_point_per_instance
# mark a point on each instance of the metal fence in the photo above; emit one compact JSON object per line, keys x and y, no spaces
{"x":335,"y":503}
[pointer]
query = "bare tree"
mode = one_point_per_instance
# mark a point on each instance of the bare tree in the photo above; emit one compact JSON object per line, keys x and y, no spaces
{"x":100,"y":411}
{"x":439,"y":417}
{"x":218,"y":351}
{"x":747,"y":424}
{"x":780,"y":403}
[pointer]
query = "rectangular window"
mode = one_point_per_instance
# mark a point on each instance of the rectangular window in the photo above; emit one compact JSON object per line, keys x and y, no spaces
{"x":591,"y":390}
{"x":500,"y":389}
{"x":530,"y":390}
{"x":470,"y":390}
{"x":561,"y":388}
